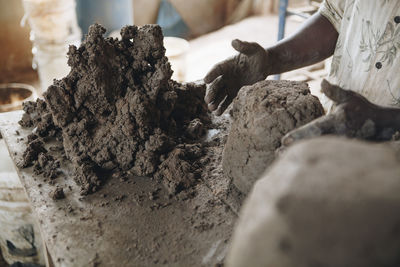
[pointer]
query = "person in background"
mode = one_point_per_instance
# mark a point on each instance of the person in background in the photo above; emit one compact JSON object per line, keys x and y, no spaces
{"x":362,"y":35}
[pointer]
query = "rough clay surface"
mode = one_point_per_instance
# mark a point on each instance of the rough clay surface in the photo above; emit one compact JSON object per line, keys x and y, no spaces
{"x":262,"y":114}
{"x":333,"y":207}
{"x":119,"y":111}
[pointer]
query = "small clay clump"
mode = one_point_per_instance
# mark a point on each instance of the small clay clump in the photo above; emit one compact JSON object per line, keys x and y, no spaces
{"x":262,"y":114}
{"x":57,"y":193}
{"x":38,"y":115}
{"x":31,"y":154}
{"x":119,"y":111}
{"x":47,"y":165}
{"x":178,"y":169}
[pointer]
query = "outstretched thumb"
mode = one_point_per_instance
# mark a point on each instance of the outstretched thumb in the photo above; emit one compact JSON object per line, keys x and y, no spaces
{"x":336,"y":93}
{"x":243,"y":47}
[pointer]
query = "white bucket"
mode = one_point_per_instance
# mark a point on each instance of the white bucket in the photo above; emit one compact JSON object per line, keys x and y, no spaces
{"x":20,"y":239}
{"x":51,"y":63}
{"x":54,"y":27}
{"x":176,"y":50}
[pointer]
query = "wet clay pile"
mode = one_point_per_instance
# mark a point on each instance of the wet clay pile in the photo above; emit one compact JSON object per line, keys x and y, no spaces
{"x":262,"y":114}
{"x":118,"y":111}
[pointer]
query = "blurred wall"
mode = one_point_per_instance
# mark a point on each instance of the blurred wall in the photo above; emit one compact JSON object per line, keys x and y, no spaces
{"x":207,"y":15}
{"x":200,"y":16}
{"x":15,"y":46}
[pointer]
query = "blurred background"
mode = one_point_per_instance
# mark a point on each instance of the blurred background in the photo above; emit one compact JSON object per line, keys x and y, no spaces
{"x":35,"y":33}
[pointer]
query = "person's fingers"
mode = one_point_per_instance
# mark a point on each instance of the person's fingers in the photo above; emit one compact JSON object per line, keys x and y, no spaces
{"x":212,"y":106}
{"x":223,"y":105}
{"x":213,"y":89}
{"x":216,"y":71}
{"x":219,"y":97}
{"x":317,"y":127}
{"x":246,"y":48}
{"x":336,"y":93}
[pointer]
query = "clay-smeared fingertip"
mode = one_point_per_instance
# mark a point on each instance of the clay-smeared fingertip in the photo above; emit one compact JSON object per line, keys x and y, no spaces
{"x":325,"y":85}
{"x":213,"y":74}
{"x":325,"y":82}
{"x":237,"y":44}
{"x":287,"y":140}
{"x":208,"y":79}
{"x":218,"y":112}
{"x":208,"y":99}
{"x":211,"y":106}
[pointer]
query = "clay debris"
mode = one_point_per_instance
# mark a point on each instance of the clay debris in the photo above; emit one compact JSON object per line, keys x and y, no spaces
{"x":262,"y":114}
{"x":57,"y":193}
{"x":119,"y":111}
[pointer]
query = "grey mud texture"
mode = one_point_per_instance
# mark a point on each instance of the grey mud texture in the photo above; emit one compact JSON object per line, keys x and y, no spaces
{"x":118,"y":111}
{"x":328,"y":201}
{"x":262,"y":114}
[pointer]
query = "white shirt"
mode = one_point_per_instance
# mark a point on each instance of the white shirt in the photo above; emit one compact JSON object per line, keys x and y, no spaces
{"x":367,"y":53}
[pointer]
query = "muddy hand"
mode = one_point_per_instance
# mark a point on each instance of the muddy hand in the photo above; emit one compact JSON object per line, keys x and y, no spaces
{"x":227,"y":77}
{"x":354,"y":116}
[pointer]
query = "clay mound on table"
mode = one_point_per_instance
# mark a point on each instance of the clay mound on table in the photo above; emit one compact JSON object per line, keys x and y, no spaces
{"x":262,"y":114}
{"x":119,"y":110}
{"x":336,"y":206}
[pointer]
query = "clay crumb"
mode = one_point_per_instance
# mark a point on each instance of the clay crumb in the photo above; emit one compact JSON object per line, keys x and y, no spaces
{"x":58,"y":193}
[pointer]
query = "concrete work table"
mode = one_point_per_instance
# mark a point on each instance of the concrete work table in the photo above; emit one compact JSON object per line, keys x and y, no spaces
{"x":126,"y":223}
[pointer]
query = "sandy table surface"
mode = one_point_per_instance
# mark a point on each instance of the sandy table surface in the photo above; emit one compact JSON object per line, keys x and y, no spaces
{"x":126,"y":223}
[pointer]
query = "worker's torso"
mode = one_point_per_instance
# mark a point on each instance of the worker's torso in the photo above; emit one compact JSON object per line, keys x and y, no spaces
{"x":367,"y":54}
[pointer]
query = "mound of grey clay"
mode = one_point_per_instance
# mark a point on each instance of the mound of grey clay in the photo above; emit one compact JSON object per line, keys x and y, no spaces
{"x":262,"y":114}
{"x":317,"y":206}
{"x":119,"y":111}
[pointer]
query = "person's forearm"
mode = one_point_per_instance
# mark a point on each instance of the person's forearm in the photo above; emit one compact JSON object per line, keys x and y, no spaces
{"x":314,"y":42}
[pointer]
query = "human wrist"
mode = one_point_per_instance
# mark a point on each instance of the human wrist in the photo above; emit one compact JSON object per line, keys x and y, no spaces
{"x":270,"y":63}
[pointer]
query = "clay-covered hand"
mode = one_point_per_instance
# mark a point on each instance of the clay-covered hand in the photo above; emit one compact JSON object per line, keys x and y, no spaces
{"x":354,"y":116}
{"x":227,"y":77}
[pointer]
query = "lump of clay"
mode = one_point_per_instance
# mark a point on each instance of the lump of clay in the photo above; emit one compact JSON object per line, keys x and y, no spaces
{"x":38,"y":115}
{"x":326,"y":202}
{"x":57,"y":193}
{"x":262,"y":114}
{"x":119,"y":110}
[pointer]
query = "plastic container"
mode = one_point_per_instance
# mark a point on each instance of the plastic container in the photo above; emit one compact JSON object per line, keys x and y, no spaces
{"x":54,"y":27}
{"x":13,"y":94}
{"x":176,"y":50}
{"x":20,"y":239}
{"x":51,"y":63}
